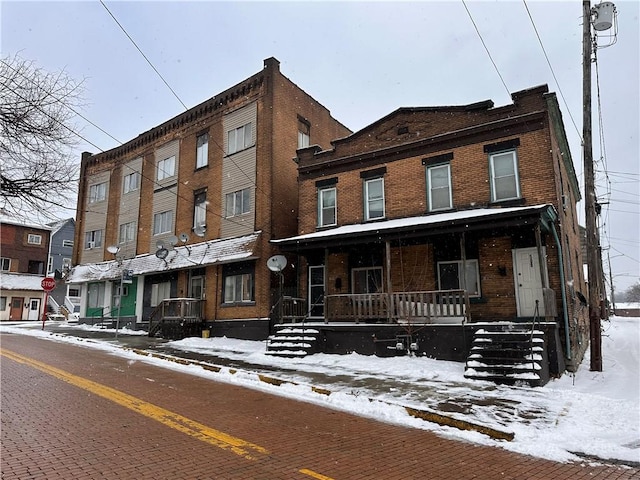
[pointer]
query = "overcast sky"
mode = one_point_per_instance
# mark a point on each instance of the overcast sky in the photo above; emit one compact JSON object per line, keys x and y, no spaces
{"x":362,"y":60}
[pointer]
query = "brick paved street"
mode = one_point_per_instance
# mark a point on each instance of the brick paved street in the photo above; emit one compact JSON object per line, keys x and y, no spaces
{"x":53,"y":428}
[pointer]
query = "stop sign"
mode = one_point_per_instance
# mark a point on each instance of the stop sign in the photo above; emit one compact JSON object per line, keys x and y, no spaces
{"x":48,"y":284}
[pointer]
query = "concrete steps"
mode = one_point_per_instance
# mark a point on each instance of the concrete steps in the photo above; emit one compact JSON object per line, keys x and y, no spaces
{"x":292,"y":342}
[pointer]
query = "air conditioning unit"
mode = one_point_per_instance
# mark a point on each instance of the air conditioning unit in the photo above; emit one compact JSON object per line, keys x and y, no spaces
{"x":565,"y":202}
{"x":90,"y":245}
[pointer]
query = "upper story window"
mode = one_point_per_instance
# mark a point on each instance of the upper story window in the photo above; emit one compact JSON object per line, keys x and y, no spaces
{"x":166,"y":168}
{"x":92,"y":239}
{"x":202,"y":150}
{"x":36,"y":267}
{"x":327,"y":209}
{"x":67,"y":243}
{"x":439,"y":187}
{"x":304,"y":132}
{"x":374,"y":198}
{"x":98,"y":192}
{"x":238,"y":202}
{"x":131,"y":182}
{"x":5,"y":264}
{"x":200,"y":209}
{"x":33,"y":239}
{"x":127,"y":232}
{"x":239,"y":138}
{"x":450,"y":276}
{"x":163,"y":222}
{"x":505,"y":184}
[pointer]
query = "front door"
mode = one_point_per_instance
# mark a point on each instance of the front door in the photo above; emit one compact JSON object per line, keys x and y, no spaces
{"x":34,"y":309}
{"x":16,"y":308}
{"x":528,"y":281}
{"x":316,"y":291}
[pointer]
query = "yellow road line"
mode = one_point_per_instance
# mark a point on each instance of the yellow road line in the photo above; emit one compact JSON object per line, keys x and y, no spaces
{"x":178,"y":422}
{"x":313,"y":474}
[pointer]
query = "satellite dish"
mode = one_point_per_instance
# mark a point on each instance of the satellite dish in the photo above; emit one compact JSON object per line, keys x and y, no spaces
{"x":277,"y":263}
{"x":184,"y":238}
{"x":162,"y":253}
{"x":113,"y":249}
{"x":172,"y":240}
{"x":199,"y":230}
{"x":159,"y":244}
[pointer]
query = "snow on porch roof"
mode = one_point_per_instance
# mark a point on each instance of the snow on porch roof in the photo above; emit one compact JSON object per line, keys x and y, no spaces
{"x":439,"y":219}
{"x":187,"y":256}
{"x":20,"y":281}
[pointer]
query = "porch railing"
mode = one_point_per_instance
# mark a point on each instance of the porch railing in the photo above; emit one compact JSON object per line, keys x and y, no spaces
{"x":293,"y":309}
{"x":439,"y":306}
{"x":175,"y":312}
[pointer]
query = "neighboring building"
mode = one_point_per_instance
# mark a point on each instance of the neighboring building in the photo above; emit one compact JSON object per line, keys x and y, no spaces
{"x":24,"y":252}
{"x":190,"y":206}
{"x":60,"y":254}
{"x":434,"y":223}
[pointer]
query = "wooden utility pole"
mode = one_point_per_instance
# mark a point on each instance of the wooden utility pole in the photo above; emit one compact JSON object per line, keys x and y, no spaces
{"x":593,"y":248}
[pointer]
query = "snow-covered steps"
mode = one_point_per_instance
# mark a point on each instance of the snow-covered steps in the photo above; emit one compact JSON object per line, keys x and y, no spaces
{"x":292,"y":342}
{"x":508,"y":354}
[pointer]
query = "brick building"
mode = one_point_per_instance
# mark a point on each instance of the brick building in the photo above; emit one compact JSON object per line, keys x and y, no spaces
{"x":24,"y":254}
{"x":187,"y":210}
{"x":433,"y":221}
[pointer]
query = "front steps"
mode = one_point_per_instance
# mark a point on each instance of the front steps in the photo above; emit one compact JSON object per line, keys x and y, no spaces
{"x":508,"y":354}
{"x":293,"y":342}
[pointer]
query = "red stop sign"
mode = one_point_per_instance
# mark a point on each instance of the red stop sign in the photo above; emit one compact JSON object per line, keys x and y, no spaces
{"x":48,"y":284}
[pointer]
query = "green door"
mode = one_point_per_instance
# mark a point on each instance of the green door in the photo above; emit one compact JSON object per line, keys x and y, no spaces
{"x":128,"y":300}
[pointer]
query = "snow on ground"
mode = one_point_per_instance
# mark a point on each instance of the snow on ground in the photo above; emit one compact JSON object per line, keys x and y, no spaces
{"x":588,"y":414}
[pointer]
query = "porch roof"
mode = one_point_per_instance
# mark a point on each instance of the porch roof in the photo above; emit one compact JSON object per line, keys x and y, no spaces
{"x":459,"y":221}
{"x":21,"y":281}
{"x":219,"y":251}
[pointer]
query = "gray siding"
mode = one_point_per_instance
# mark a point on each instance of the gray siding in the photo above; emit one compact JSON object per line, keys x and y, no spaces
{"x":130,"y":206}
{"x":96,"y":221}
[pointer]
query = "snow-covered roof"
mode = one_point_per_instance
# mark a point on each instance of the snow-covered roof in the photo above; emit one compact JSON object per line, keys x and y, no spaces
{"x":20,"y":281}
{"x":187,"y":256}
{"x":10,"y":220}
{"x":424,"y":220}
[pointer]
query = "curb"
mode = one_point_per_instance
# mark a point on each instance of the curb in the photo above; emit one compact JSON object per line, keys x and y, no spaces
{"x":422,"y":414}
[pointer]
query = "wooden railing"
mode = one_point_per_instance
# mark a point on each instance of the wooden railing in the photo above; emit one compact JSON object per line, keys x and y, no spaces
{"x":440,"y":306}
{"x":293,"y":309}
{"x":175,"y":311}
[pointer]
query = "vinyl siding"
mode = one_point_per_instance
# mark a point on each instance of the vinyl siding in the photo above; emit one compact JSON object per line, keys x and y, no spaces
{"x":96,"y":221}
{"x":130,"y":205}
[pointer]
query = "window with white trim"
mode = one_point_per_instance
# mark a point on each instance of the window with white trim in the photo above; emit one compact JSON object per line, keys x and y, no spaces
{"x":3,"y":303}
{"x":33,"y":239}
{"x":159,"y":292}
{"x":327,"y":207}
{"x":505,"y":184}
{"x":96,"y":295}
{"x":166,"y":168}
{"x":238,"y":202}
{"x":5,"y":264}
{"x":238,"y":288}
{"x":374,"y":198}
{"x":67,"y":243}
{"x":92,"y":239}
{"x":98,"y":192}
{"x":439,"y":187}
{"x":200,"y":209}
{"x":131,"y":182}
{"x":239,"y":139}
{"x":127,"y":232}
{"x":163,"y":222}
{"x":202,"y":150}
{"x":304,"y":131}
{"x":450,"y":276}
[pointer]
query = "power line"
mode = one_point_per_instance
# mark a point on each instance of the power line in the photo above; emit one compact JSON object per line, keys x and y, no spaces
{"x":535,"y":29}
{"x":486,"y":49}
{"x":142,"y":53}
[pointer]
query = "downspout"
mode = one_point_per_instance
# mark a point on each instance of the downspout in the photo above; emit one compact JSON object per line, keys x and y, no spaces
{"x":563,"y":292}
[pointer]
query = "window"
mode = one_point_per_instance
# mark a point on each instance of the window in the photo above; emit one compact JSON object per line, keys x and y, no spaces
{"x":50,"y":264}
{"x":166,"y":168}
{"x":3,"y":303}
{"x":160,"y":291}
{"x":504,"y":176}
{"x":163,"y":222}
{"x":367,"y":280}
{"x":327,"y":207}
{"x":92,"y":239}
{"x":238,"y":202}
{"x":239,"y":139}
{"x":238,"y":288}
{"x":35,"y":267}
{"x":74,"y":292}
{"x":33,"y":239}
{"x":304,"y":129}
{"x":5,"y":264}
{"x":67,"y":243}
{"x":439,"y":187}
{"x":127,"y":232}
{"x":98,"y":192}
{"x":196,"y":287}
{"x":202,"y":150}
{"x":96,"y":295}
{"x":374,"y":199}
{"x":449,"y":276}
{"x":199,"y":209}
{"x":131,"y":182}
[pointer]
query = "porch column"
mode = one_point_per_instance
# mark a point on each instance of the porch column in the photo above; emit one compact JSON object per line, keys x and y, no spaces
{"x":390,"y":307}
{"x":463,"y":257}
{"x":326,"y":283}
{"x":541,"y":259}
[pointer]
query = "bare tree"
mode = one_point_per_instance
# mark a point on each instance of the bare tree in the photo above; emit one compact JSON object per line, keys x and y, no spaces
{"x":38,"y":172}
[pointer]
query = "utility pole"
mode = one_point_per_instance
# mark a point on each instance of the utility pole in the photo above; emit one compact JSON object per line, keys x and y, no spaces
{"x":602,"y":16}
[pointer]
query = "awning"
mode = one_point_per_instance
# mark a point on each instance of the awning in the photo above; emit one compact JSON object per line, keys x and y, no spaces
{"x":459,"y":221}
{"x":227,"y":250}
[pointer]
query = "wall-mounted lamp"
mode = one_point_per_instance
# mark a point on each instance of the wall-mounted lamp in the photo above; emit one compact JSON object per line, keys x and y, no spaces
{"x":502,"y":270}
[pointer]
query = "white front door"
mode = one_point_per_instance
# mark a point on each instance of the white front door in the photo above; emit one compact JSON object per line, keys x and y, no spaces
{"x":34,"y":309}
{"x":528,"y":281}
